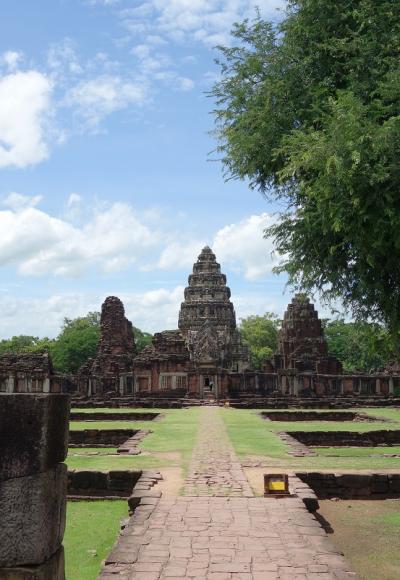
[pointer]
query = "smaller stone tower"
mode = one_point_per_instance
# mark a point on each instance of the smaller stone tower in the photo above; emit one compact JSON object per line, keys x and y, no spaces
{"x":115,"y":352}
{"x":302,"y":345}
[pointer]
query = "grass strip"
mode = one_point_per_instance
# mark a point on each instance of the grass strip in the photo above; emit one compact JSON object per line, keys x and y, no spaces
{"x":92,"y":529}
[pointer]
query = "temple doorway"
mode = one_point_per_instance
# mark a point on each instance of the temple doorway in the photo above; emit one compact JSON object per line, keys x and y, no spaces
{"x":208,"y":386}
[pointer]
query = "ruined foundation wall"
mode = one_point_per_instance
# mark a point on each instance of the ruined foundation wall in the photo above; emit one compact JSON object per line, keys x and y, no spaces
{"x":33,"y":485}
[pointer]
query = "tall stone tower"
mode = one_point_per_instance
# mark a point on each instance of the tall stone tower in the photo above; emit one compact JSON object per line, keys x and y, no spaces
{"x":115,"y":352}
{"x":302,"y":345}
{"x":207,"y":318}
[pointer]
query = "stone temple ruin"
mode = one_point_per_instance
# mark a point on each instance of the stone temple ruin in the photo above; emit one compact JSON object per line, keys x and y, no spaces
{"x":110,"y":370}
{"x":204,"y":357}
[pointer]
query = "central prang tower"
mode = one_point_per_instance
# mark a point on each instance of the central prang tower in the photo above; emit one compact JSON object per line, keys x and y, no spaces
{"x":207,"y":318}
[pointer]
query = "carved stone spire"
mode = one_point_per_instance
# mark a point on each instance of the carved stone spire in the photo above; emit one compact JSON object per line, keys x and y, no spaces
{"x":207,"y":318}
{"x":207,"y":297}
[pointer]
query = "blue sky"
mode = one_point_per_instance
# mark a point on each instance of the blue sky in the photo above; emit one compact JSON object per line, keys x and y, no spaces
{"x":106,"y":182}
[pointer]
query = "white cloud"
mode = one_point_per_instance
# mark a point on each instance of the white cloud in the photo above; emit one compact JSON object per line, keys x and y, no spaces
{"x":63,"y":61}
{"x":38,"y":244}
{"x":25,"y":106}
{"x":177,"y":255}
{"x":113,"y":237}
{"x":207,"y":21}
{"x":240,"y":246}
{"x":18,"y":202}
{"x":96,"y":98}
{"x":74,"y":199}
{"x":243,"y":246}
{"x":11,"y":59}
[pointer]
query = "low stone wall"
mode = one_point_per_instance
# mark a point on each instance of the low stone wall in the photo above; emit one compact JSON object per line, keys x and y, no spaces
{"x":101,"y":484}
{"x":127,"y":402}
{"x":311,"y":415}
{"x":142,"y":502}
{"x":110,"y":416}
{"x":281,"y":402}
{"x":33,"y":485}
{"x":352,"y":485}
{"x":347,"y":438}
{"x":100,"y":437}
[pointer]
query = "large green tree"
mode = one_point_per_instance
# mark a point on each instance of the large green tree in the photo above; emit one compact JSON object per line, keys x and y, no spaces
{"x":309,"y":111}
{"x":76,"y":342}
{"x":360,"y":346}
{"x":260,"y":333}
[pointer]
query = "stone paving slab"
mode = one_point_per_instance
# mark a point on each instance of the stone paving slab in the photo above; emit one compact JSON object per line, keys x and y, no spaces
{"x":230,"y":537}
{"x":218,"y":530}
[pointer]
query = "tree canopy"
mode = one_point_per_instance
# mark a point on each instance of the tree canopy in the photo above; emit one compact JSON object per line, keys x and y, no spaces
{"x":309,"y":111}
{"x":260,"y":333}
{"x":76,"y":342}
{"x":360,"y":346}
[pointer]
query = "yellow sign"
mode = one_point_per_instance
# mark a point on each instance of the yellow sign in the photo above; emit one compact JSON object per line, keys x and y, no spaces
{"x":276,"y":485}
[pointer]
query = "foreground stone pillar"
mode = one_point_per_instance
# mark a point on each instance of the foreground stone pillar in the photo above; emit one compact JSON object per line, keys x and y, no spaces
{"x":33,"y":485}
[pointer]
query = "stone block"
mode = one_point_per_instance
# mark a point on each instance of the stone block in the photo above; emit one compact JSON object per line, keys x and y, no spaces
{"x":394,"y":483}
{"x":87,"y":480}
{"x":32,"y":516}
{"x":123,"y":480}
{"x":33,"y":433}
{"x":52,"y":569}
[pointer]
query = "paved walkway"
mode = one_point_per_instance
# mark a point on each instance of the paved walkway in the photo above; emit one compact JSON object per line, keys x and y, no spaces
{"x":215,"y":469}
{"x":219,"y":531}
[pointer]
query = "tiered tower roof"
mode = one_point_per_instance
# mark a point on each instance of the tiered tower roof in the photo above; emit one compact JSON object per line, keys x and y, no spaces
{"x":207,"y":297}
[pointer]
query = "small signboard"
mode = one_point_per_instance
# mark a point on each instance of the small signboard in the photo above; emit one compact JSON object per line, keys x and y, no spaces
{"x":276,"y":484}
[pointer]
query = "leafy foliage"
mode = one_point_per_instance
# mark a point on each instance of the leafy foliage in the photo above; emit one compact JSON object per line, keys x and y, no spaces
{"x":142,"y":338}
{"x":309,"y":112}
{"x":361,"y":346}
{"x":260,"y":333}
{"x":76,"y":342}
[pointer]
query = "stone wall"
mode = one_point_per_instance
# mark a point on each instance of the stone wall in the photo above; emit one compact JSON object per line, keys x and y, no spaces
{"x":347,"y":438}
{"x":353,"y":485}
{"x":33,"y":485}
{"x":110,"y":416}
{"x":312,"y":416}
{"x":26,"y":373}
{"x":100,"y":437}
{"x":103,"y":484}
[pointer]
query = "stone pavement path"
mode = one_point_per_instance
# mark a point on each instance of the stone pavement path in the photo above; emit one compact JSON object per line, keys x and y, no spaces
{"x":218,"y":530}
{"x":215,"y":469}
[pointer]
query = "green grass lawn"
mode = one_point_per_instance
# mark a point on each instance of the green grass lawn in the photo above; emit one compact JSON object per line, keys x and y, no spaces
{"x":104,"y":462}
{"x":251,"y":435}
{"x":92,"y":529}
{"x":388,"y":413}
{"x":368,"y":533}
{"x":175,"y":433}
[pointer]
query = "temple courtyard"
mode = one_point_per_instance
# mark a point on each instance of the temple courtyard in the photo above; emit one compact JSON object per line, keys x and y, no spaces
{"x":197,"y":506}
